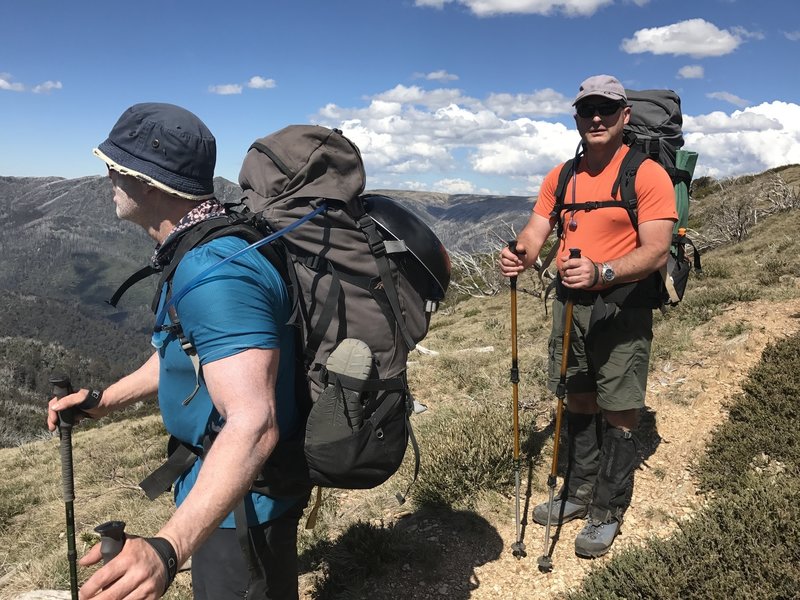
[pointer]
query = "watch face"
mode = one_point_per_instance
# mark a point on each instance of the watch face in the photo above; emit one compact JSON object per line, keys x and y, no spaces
{"x":608,"y":273}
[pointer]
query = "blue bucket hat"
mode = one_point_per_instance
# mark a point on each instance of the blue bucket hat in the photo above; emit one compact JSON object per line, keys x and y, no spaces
{"x":166,"y":146}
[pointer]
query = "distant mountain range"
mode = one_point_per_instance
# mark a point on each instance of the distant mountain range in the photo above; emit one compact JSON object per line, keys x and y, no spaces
{"x":65,"y":252}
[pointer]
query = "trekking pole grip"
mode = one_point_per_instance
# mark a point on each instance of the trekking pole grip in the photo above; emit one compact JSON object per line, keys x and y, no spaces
{"x":574,"y":252}
{"x":61,"y":387}
{"x":512,"y":245}
{"x":112,"y":539}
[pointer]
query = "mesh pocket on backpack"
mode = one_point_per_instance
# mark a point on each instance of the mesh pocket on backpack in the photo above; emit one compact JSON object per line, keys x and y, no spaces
{"x":363,"y":458}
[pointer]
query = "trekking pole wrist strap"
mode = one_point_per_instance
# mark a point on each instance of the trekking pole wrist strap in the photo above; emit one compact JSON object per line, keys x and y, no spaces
{"x":168,"y":556}
{"x":92,"y":400}
{"x":596,"y":275}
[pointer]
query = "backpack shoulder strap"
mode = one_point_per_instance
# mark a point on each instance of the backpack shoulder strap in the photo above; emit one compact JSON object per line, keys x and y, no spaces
{"x":567,"y":170}
{"x":625,"y":183}
{"x":201,"y":233}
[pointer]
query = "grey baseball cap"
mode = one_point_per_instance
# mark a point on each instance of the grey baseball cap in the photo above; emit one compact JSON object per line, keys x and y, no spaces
{"x":166,"y":146}
{"x":604,"y":86}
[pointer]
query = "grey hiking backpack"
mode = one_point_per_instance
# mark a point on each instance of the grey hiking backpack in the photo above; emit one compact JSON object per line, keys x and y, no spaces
{"x":363,"y":272}
{"x":364,"y":269}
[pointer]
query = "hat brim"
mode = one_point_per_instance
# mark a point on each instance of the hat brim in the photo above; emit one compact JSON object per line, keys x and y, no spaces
{"x":116,"y":158}
{"x":606,"y":95}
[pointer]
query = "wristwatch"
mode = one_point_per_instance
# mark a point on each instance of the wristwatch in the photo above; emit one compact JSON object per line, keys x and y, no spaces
{"x":606,"y":273}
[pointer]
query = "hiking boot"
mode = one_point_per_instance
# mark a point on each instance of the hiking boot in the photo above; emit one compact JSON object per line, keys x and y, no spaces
{"x":596,"y":538}
{"x":571,"y":510}
{"x":351,"y":359}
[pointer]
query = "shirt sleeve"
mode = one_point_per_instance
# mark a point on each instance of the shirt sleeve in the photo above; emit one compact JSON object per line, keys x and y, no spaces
{"x":241,"y":305}
{"x":655,"y":193}
{"x":547,"y":193}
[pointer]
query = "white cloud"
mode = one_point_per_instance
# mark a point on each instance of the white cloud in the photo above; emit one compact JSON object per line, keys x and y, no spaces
{"x":694,"y":37}
{"x":737,"y":122}
{"x":440,"y":75}
{"x":454,"y":186}
{"x":415,"y":95}
{"x":729,"y":98}
{"x":226,"y":89}
{"x":431,"y":3}
{"x":542,"y":103}
{"x":47,"y":87}
{"x":442,"y":140}
{"x":793,"y":36}
{"x":260,"y":83}
{"x":446,"y":138}
{"x":488,"y":8}
{"x":749,"y":141}
{"x":691,"y":72}
{"x":256,"y":82}
{"x":8,"y":85}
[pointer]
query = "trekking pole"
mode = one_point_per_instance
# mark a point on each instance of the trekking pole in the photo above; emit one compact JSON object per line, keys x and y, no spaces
{"x":545,"y":561}
{"x":66,"y":420}
{"x":518,"y":547}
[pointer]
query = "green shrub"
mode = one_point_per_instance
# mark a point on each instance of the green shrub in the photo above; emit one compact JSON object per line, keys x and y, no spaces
{"x":747,"y":546}
{"x":363,"y":551}
{"x":717,"y":269}
{"x":466,"y":451}
{"x":703,"y":304}
{"x":731,"y":330}
{"x":761,"y":430}
{"x":746,"y":542}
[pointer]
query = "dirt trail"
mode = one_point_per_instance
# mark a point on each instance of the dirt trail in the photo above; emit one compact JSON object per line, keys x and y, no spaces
{"x":685,"y":400}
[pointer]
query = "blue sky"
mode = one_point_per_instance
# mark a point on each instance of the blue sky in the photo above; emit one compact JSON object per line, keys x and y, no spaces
{"x":460,"y":96}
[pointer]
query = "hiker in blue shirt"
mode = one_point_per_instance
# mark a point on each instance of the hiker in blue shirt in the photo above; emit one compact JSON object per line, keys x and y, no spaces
{"x":161,"y":160}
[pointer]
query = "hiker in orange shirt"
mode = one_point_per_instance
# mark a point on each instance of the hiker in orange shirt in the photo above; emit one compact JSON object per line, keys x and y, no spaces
{"x":613,"y":287}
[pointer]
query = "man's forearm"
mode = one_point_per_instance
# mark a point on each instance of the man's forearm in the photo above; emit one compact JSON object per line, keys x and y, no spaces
{"x":227,"y":473}
{"x":142,"y":384}
{"x":636,"y":265}
{"x":655,"y":238}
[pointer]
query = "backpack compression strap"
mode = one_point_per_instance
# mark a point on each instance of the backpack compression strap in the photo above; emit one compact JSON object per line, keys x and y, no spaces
{"x":379,"y":252}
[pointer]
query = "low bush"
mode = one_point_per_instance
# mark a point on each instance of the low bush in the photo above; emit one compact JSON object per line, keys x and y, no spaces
{"x":746,"y":542}
{"x":466,"y":452}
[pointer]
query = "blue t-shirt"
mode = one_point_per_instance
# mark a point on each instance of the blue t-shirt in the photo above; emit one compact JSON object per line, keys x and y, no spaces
{"x":240,"y":305}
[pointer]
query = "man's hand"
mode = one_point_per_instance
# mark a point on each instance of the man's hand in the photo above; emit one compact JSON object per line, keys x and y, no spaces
{"x":73,"y":400}
{"x":579,"y":273}
{"x":136,"y":572}
{"x":511,"y":264}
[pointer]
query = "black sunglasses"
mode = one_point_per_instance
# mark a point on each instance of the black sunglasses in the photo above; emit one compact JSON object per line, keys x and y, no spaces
{"x":587,"y":111}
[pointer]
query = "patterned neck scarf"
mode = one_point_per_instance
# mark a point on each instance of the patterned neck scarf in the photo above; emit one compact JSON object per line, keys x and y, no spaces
{"x":202,"y":212}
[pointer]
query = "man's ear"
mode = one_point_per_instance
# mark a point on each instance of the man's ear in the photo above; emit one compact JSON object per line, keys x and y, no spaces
{"x":626,"y":115}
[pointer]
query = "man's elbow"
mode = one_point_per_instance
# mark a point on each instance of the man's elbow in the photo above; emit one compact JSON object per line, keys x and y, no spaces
{"x":661,"y":260}
{"x":267,"y":439}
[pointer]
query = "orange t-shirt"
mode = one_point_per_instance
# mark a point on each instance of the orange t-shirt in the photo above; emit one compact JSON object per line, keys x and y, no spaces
{"x":606,"y":233}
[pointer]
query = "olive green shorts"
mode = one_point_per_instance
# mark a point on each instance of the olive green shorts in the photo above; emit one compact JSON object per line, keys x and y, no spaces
{"x":612,"y":361}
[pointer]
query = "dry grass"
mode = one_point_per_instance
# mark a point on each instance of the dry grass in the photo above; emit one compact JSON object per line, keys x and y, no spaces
{"x":108,"y":464}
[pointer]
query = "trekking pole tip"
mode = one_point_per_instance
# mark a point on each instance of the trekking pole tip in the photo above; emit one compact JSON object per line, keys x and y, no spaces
{"x":518,"y":550}
{"x":545,"y":563}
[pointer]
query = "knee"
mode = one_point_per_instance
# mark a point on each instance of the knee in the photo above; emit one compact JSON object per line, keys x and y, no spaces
{"x":583,"y":403}
{"x":625,"y":420}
